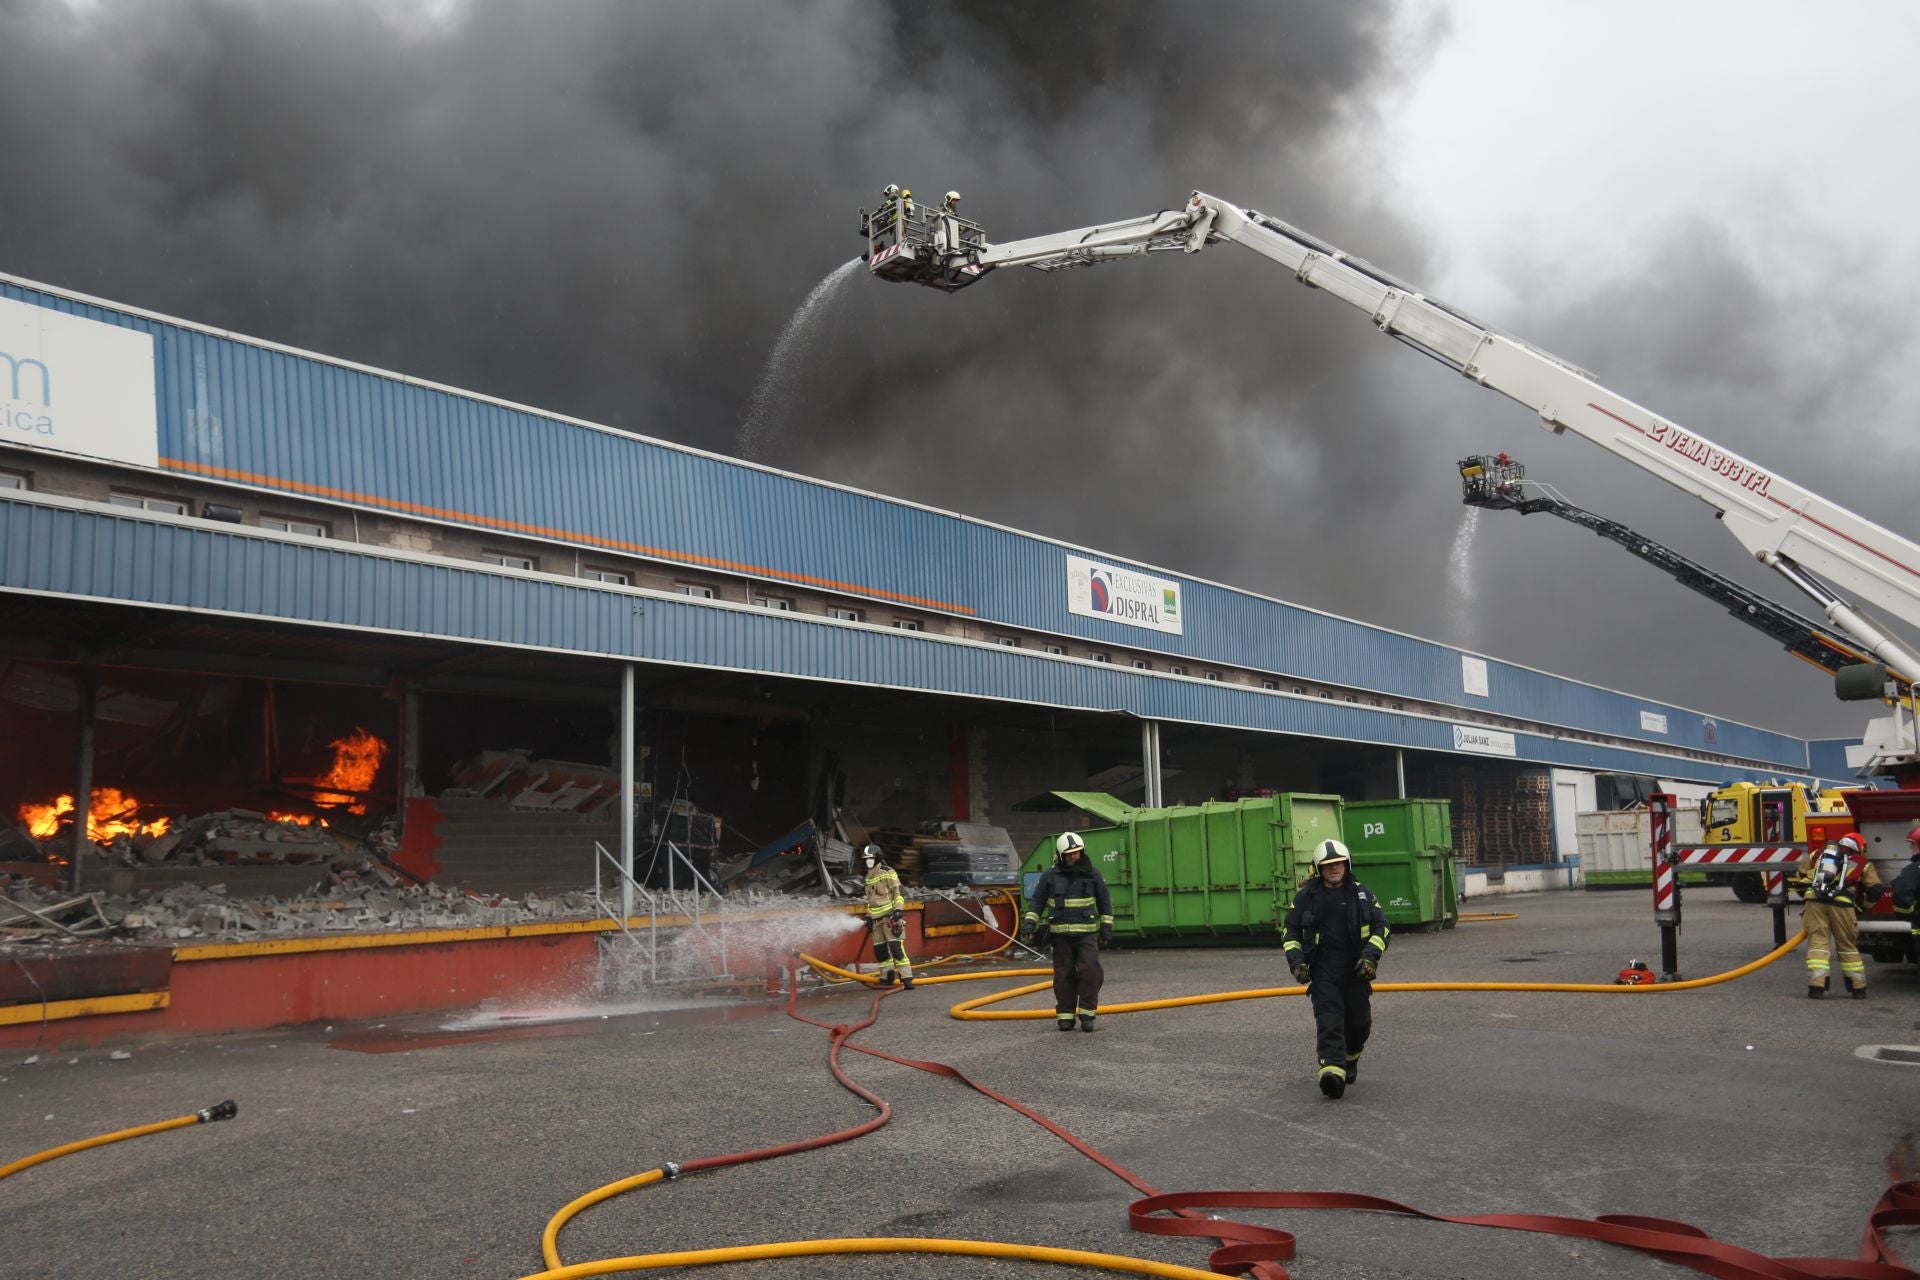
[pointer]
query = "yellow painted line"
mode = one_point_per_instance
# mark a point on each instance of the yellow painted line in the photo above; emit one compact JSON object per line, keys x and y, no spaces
{"x":93,"y":1006}
{"x":945,"y":930}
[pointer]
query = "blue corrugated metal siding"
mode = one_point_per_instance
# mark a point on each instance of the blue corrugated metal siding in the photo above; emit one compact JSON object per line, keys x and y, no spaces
{"x":139,"y":558}
{"x":236,"y":411}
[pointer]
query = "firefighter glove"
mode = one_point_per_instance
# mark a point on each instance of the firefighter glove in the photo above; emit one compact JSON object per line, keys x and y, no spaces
{"x":1873,"y":893}
{"x":1027,"y":929}
{"x":1302,"y":974}
{"x":897,"y":919}
{"x":1106,"y":934}
{"x":1365,"y":968}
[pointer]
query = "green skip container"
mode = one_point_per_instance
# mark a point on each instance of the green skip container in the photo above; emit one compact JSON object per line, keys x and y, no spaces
{"x":1403,"y":851}
{"x":1222,"y":871}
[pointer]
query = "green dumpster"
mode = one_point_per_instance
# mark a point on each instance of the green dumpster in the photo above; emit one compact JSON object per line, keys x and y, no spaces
{"x":1402,"y":850}
{"x":1224,"y":870}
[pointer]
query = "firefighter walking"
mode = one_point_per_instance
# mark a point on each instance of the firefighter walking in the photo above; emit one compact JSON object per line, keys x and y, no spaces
{"x":887,"y":919}
{"x":1838,"y":880}
{"x":1070,"y":906}
{"x":1334,"y":937}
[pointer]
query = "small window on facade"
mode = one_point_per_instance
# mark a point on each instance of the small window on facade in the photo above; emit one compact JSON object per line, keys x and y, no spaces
{"x":1301,"y":690}
{"x":506,"y":561}
{"x":843,"y":613}
{"x":1054,"y":649}
{"x":1176,"y":671}
{"x":1011,"y":642}
{"x":699,"y":591}
{"x":1213,"y":675}
{"x":780,"y":603}
{"x":1100,"y":657}
{"x":12,"y":480}
{"x":611,"y":576}
{"x":1268,"y":684}
{"x":1351,"y":698}
{"x":1141,"y":664}
{"x":907,"y":624}
{"x":1398,"y":707}
{"x":307,"y":527}
{"x":148,"y":504}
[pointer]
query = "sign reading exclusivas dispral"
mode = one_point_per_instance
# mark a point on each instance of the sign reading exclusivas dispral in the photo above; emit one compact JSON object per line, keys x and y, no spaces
{"x":1104,"y":591}
{"x":76,"y":385}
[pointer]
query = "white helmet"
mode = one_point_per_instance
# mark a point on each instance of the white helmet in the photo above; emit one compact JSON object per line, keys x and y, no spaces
{"x":893,"y":189}
{"x":1069,"y":842}
{"x":1329,"y":851}
{"x":953,"y":197}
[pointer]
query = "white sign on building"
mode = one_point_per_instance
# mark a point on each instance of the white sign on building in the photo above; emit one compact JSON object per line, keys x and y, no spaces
{"x":76,"y":385}
{"x":1653,"y":722}
{"x":1473,"y":675}
{"x":1112,"y":594}
{"x":1484,"y":742}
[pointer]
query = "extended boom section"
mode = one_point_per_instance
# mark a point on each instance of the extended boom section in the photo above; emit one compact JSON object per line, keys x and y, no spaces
{"x":1810,"y":541}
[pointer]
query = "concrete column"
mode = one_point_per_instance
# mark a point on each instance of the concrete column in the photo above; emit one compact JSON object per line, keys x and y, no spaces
{"x":1150,"y":762}
{"x":83,"y":779}
{"x":626,"y":791}
{"x":409,"y":745}
{"x":1400,"y":772}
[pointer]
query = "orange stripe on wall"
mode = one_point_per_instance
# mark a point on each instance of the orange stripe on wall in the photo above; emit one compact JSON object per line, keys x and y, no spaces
{"x":542,"y":531}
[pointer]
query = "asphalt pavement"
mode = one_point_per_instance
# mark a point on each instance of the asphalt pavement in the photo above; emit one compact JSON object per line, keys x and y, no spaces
{"x":440,"y":1146}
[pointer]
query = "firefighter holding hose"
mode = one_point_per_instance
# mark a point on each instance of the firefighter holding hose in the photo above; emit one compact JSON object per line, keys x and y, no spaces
{"x":887,"y":919}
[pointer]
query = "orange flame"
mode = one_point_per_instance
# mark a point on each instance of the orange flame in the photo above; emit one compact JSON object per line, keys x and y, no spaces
{"x":112,"y":813}
{"x":356,"y":763}
{"x":298,"y":819}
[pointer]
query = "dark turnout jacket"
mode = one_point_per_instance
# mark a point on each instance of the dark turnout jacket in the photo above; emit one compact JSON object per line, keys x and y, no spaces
{"x":1343,"y":924}
{"x":1071,"y":899}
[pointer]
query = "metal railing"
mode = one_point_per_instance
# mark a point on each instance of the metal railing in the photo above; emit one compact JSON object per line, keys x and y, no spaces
{"x":702,"y":906}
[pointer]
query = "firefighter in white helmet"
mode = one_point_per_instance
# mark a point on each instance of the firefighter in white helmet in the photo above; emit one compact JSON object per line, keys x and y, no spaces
{"x":887,"y":919}
{"x":1334,"y":937}
{"x":1837,"y":882}
{"x":1071,"y":907}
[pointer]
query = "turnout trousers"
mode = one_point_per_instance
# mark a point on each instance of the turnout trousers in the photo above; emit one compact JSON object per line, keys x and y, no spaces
{"x":1833,"y":928}
{"x":890,"y":948}
{"x":1342,"y":1014}
{"x":1077,"y":974}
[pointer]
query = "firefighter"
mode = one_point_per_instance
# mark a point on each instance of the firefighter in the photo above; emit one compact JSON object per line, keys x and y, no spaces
{"x":1839,"y":880}
{"x":952,"y":203}
{"x":1334,"y":936}
{"x":1906,"y":886}
{"x":1070,"y":906}
{"x":887,"y":919}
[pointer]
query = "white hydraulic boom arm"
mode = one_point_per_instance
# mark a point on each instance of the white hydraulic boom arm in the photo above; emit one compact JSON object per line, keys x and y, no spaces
{"x":1807,"y":539}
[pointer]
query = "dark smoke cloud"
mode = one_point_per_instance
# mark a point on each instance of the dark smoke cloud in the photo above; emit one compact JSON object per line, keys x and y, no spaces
{"x":611,"y":210}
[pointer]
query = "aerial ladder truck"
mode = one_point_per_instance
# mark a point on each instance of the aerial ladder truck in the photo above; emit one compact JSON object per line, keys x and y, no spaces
{"x":1821,"y":548}
{"x":1737,"y":814}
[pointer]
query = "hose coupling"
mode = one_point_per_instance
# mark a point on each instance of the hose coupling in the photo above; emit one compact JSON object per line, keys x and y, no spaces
{"x":222,"y":1111}
{"x":671,"y":1170}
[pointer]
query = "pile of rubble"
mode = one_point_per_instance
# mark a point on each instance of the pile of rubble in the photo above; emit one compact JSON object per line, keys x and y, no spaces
{"x":229,"y":837}
{"x":358,"y":897}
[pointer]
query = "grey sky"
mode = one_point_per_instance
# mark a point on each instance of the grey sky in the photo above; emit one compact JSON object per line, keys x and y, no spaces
{"x":611,"y":210}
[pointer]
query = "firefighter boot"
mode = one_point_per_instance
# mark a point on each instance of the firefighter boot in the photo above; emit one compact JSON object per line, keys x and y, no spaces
{"x":886,"y":977}
{"x":1333,"y":1080}
{"x":1353,"y":1069}
{"x":1063,"y":1021}
{"x":1086,"y":1019}
{"x":1817,"y":992}
{"x":1858,"y":993}
{"x":906,"y":982}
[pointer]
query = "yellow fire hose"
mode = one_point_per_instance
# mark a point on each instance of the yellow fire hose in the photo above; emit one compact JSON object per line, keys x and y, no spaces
{"x":975,"y":1010}
{"x":205,"y":1115}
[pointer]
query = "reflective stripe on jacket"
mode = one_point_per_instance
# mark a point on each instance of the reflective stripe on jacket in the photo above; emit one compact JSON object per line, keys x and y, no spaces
{"x":883,"y":892}
{"x":1078,"y":898}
